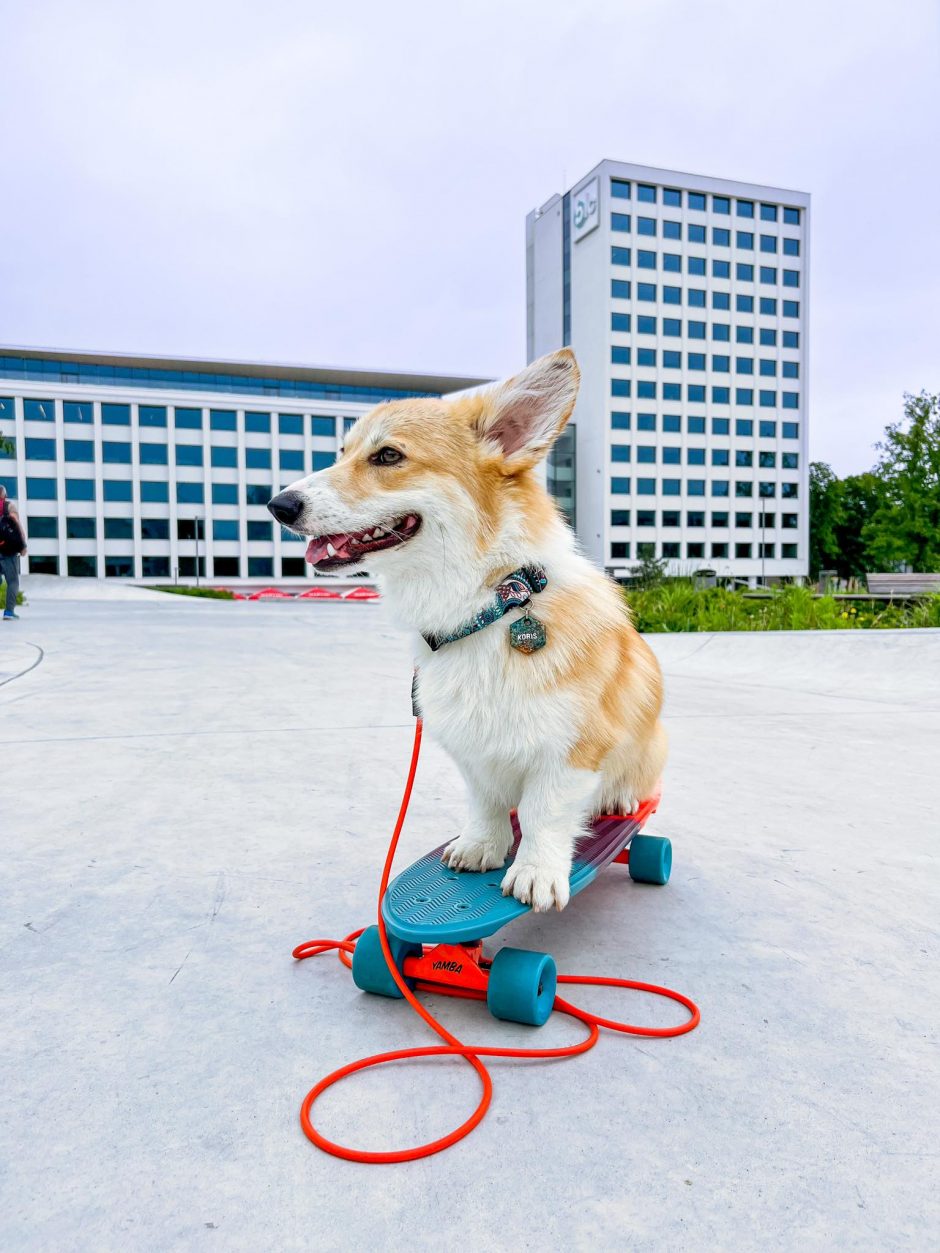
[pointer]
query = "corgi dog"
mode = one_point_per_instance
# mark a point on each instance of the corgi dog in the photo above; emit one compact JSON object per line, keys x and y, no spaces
{"x":443,"y":500}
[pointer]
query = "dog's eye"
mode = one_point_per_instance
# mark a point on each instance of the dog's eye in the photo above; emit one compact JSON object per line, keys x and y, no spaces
{"x":387,"y":457}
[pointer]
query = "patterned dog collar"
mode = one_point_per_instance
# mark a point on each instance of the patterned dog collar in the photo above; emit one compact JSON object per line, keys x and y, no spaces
{"x":516,"y":589}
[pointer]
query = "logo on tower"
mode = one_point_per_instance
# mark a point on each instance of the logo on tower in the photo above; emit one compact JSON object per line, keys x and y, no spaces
{"x":585,"y":210}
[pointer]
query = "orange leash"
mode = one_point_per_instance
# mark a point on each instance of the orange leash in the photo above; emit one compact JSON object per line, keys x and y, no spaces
{"x":453,"y":1047}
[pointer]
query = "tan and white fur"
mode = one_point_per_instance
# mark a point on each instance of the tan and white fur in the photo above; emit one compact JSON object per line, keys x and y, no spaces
{"x":561,"y":734}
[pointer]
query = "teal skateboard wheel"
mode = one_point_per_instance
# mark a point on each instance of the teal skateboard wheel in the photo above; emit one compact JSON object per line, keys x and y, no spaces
{"x":521,"y":986}
{"x":650,"y":859}
{"x":369,"y":969}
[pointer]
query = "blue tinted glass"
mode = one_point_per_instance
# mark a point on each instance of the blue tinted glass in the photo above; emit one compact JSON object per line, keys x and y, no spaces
{"x":768,"y":367}
{"x":620,"y":288}
{"x":257,"y":494}
{"x":696,"y":394}
{"x":721,"y":269}
{"x":696,"y":265}
{"x":768,"y":243}
{"x":646,"y":226}
{"x":721,"y":364}
{"x":619,"y":189}
{"x":672,"y":423}
{"x":153,"y":454}
{"x":219,"y":456}
{"x":789,"y":430}
{"x":224,"y":494}
{"x":646,"y":291}
{"x":646,"y":421}
{"x":791,"y":339}
{"x":116,"y":415}
{"x":696,"y":426}
{"x":39,"y":410}
{"x":768,"y":274}
{"x":620,"y":486}
{"x":721,"y":395}
{"x":620,"y":387}
{"x":672,"y":230}
{"x":768,"y":212}
{"x":188,"y":419}
{"x":620,"y":452}
{"x":645,"y":324}
{"x":621,"y":356}
{"x":189,"y":454}
{"x":768,"y":399}
{"x":255,"y":421}
{"x":79,"y":489}
{"x":151,"y":415}
{"x":791,"y":308}
{"x":744,"y":272}
{"x":696,"y":360}
{"x":117,"y":489}
{"x":672,"y":196}
{"x":79,"y":450}
{"x":744,"y":365}
{"x":619,"y":420}
{"x":695,"y":297}
{"x":745,"y":208}
{"x":768,"y":306}
{"x":721,"y":204}
{"x":671,"y":456}
{"x":744,"y":426}
{"x":791,"y":278}
{"x":321,"y":460}
{"x":646,"y":193}
{"x":721,"y":237}
{"x":791,"y":247}
{"x":621,"y":256}
{"x":745,"y":239}
{"x":719,"y":487}
{"x":225,"y":529}
{"x":672,"y":391}
{"x":645,"y":356}
{"x":258,"y":458}
{"x":153,"y":492}
{"x":222,"y":419}
{"x":672,"y":360}
{"x":672,"y":487}
{"x":672,"y":326}
{"x":646,"y":389}
{"x":791,"y":400}
{"x":791,"y":216}
{"x":768,"y":336}
{"x":768,"y":430}
{"x":672,"y":262}
{"x":40,"y":449}
{"x":721,"y":300}
{"x":696,"y":234}
{"x":744,"y":304}
{"x":190,"y":493}
{"x":7,"y":412}
{"x":696,"y":330}
{"x":695,"y":456}
{"x":791,"y":369}
{"x":620,"y":221}
{"x":721,"y":331}
{"x":327,"y":426}
{"x":291,"y":459}
{"x":116,"y":453}
{"x":620,"y":517}
{"x":696,"y":200}
{"x":78,"y":411}
{"x":645,"y":260}
{"x":672,"y":295}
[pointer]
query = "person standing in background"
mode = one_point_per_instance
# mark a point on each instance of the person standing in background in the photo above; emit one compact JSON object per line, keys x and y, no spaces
{"x":12,"y":546}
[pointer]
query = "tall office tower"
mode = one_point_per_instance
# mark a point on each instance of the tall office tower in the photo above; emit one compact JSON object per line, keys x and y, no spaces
{"x":685,"y":299}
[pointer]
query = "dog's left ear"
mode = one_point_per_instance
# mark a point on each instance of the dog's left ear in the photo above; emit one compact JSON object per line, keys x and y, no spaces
{"x":525,"y":415}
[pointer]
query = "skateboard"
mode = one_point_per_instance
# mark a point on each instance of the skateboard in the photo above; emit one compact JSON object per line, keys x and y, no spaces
{"x":437,"y":919}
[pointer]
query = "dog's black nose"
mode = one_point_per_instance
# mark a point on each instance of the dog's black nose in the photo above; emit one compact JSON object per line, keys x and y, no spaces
{"x":286,"y":507}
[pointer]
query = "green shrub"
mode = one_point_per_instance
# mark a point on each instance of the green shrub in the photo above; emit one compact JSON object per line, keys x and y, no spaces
{"x":211,"y":593}
{"x":3,"y":595}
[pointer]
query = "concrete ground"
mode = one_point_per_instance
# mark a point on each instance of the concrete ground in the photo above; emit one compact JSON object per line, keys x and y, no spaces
{"x":191,"y":788}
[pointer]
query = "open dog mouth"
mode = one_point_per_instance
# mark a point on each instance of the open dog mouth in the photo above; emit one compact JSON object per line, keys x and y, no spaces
{"x":330,"y":552}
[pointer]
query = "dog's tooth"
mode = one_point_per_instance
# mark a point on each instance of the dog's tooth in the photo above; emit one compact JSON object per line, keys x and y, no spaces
{"x":378,"y":533}
{"x":330,"y":550}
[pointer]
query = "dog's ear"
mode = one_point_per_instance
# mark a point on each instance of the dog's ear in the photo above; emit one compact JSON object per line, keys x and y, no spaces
{"x":525,"y":415}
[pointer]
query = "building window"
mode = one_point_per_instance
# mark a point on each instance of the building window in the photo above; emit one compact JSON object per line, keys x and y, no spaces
{"x":646,"y":454}
{"x":790,"y":430}
{"x":720,"y":519}
{"x":768,"y":337}
{"x":721,"y":300}
{"x":155,"y":567}
{"x":742,"y":550}
{"x":672,"y":423}
{"x":118,"y":567}
{"x":620,"y":288}
{"x":743,"y":457}
{"x":790,"y":339}
{"x":646,"y":487}
{"x":791,"y":308}
{"x":744,"y":304}
{"x":224,"y":494}
{"x":719,"y":426}
{"x":788,"y":551}
{"x":190,"y":493}
{"x":619,"y":189}
{"x":721,"y":237}
{"x":619,"y":420}
{"x":42,"y":527}
{"x":671,"y":456}
{"x":154,"y":492}
{"x":790,"y":460}
{"x":697,"y":201}
{"x":646,"y":291}
{"x":695,"y":360}
{"x":621,"y":256}
{"x":222,"y":457}
{"x":721,"y":363}
{"x":291,"y":459}
{"x":768,"y":367}
{"x":768,"y":399}
{"x":39,"y":410}
{"x":720,"y":487}
{"x":744,"y":272}
{"x":672,"y":230}
{"x":645,"y":324}
{"x":743,"y":396}
{"x":79,"y":489}
{"x":646,"y":226}
{"x":327,"y":426}
{"x":745,"y":240}
{"x":720,"y":456}
{"x":696,"y":265}
{"x":791,"y":278}
{"x":292,"y":567}
{"x":620,"y":452}
{"x":646,"y":517}
{"x":226,"y":567}
{"x":789,"y":491}
{"x":290,"y":423}
{"x":115,"y":453}
{"x":695,"y":487}
{"x":646,"y":421}
{"x":82,"y":567}
{"x":721,"y":204}
{"x":766,"y":460}
{"x":80,"y":528}
{"x":259,"y":423}
{"x":116,"y":415}
{"x":721,"y":269}
{"x":646,"y":193}
{"x":40,"y":449}
{"x":742,"y":489}
{"x":620,"y":222}
{"x":189,"y":454}
{"x":258,"y":458}
{"x":768,"y":306}
{"x":744,"y":365}
{"x":768,"y":274}
{"x":745,"y":208}
{"x":154,"y":529}
{"x":767,"y":429}
{"x":768,"y":243}
{"x":225,"y":529}
{"x":791,"y":216}
{"x":646,"y":390}
{"x":620,"y":517}
{"x":695,"y":517}
{"x":768,"y":213}
{"x":222,"y":419}
{"x":258,"y":531}
{"x":620,"y":321}
{"x":695,"y":297}
{"x":696,"y":395}
{"x":151,"y":415}
{"x":620,"y":387}
{"x":791,"y":247}
{"x":620,"y":486}
{"x":672,"y":487}
{"x":187,"y":419}
{"x":696,"y":234}
{"x":621,"y":356}
{"x":73,"y":411}
{"x":670,"y":549}
{"x":118,"y":489}
{"x":696,"y":330}
{"x":619,"y":548}
{"x":672,"y":360}
{"x":255,"y":494}
{"x":153,"y":454}
{"x":767,"y":490}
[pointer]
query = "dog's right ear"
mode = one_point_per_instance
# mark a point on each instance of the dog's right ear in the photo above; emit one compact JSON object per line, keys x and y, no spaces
{"x":524,"y":416}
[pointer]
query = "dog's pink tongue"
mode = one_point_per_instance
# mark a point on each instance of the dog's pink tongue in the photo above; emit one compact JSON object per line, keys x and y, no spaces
{"x":318,"y":549}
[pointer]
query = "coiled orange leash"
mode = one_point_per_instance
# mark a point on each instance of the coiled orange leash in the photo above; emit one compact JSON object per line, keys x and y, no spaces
{"x":453,"y":1047}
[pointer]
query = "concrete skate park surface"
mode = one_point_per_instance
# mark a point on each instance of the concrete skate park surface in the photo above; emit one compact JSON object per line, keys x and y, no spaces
{"x":191,"y":788}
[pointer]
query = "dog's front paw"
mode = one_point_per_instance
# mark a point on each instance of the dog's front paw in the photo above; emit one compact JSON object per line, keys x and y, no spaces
{"x":542,"y":885}
{"x":472,"y":852}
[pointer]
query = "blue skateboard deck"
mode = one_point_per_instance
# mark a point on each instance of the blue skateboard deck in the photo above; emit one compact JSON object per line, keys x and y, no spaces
{"x":431,"y":904}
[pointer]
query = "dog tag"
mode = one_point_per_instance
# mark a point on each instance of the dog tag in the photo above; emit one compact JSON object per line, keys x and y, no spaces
{"x":527,"y":634}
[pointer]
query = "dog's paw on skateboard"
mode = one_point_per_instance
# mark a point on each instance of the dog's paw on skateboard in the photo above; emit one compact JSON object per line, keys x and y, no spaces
{"x":542,"y":885}
{"x":470,"y":852}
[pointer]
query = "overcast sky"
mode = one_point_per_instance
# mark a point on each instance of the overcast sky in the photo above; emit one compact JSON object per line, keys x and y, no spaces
{"x":347,"y":183}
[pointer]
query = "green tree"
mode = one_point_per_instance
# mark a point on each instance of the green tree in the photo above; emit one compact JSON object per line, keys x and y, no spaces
{"x":858,"y":497}
{"x":905,"y":527}
{"x":824,"y":510}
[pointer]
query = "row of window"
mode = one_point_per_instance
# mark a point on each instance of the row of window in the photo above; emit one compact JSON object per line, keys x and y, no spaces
{"x":40,"y":526}
{"x":670,"y":549}
{"x":696,"y":487}
{"x":159,"y":567}
{"x":648,"y":389}
{"x":221,"y":456}
{"x":151,"y":490}
{"x":672,"y":425}
{"x":647,"y":193}
{"x":697,"y":298}
{"x":696,"y":518}
{"x":650,"y":228}
{"x":672,"y":360}
{"x":83,"y":412}
{"x":648,"y":454}
{"x":647,"y":324}
{"x":672,"y":263}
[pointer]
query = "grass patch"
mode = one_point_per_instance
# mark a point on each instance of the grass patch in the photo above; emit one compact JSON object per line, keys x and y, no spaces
{"x":3,"y":595}
{"x":676,"y":605}
{"x":210,"y":593}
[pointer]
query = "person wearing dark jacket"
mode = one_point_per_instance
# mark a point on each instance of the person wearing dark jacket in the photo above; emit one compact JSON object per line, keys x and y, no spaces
{"x":12,"y":546}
